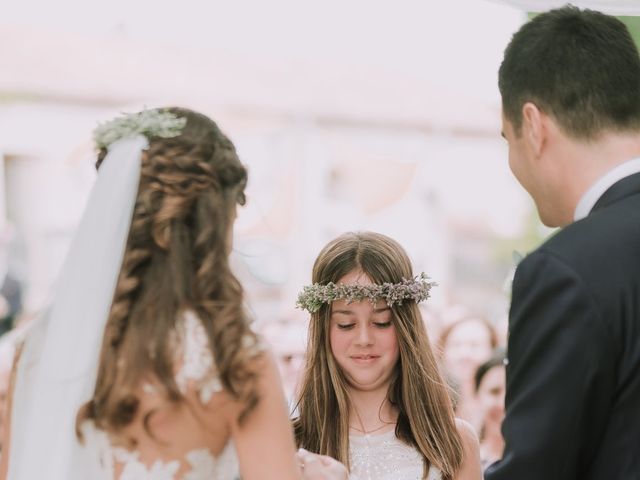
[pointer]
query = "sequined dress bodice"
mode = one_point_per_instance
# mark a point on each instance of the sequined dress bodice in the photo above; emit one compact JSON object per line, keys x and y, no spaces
{"x":385,"y":457}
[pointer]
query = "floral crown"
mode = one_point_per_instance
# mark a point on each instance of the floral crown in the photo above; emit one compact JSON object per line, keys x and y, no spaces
{"x":313,"y":296}
{"x":150,"y":123}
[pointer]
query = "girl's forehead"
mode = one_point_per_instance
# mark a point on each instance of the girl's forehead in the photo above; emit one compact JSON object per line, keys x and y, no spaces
{"x":356,"y":277}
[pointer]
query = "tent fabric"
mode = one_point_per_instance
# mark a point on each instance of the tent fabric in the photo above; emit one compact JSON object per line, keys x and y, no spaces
{"x":613,"y":7}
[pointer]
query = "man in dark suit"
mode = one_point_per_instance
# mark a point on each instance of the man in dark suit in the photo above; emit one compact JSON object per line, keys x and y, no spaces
{"x":570,"y":86}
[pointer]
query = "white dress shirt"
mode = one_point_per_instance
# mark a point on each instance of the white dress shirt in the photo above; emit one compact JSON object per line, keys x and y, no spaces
{"x":593,"y":194}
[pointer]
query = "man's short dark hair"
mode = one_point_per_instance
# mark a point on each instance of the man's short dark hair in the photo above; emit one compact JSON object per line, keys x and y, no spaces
{"x":580,"y":66}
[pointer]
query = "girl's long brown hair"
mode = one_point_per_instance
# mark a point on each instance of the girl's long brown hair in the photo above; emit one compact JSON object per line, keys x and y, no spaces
{"x":425,"y":418}
{"x":176,"y":258}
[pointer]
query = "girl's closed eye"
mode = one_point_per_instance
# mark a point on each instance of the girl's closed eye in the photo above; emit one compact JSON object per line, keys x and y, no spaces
{"x":383,"y":324}
{"x":345,"y":326}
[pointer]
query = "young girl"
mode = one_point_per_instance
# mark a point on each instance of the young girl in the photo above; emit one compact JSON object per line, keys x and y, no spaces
{"x":371,"y":395}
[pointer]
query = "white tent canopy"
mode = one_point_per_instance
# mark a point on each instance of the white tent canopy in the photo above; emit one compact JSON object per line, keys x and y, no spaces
{"x":405,"y":65}
{"x":613,"y":7}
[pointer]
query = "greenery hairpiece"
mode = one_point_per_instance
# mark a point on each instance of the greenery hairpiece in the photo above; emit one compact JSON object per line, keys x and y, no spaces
{"x":150,"y":123}
{"x":313,"y":296}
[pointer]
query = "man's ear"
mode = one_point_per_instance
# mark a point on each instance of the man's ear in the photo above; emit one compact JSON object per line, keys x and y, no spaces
{"x":534,"y":128}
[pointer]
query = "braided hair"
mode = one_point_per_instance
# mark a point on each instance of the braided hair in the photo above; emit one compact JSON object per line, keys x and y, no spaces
{"x":176,"y":259}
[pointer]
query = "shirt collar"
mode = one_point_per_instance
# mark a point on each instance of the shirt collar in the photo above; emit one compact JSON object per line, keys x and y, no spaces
{"x":596,"y":190}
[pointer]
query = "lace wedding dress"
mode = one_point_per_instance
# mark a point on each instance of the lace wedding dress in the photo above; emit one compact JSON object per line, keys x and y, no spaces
{"x":384,"y":457}
{"x":196,"y":369}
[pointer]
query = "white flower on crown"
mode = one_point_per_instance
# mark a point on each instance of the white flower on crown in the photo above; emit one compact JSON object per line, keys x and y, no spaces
{"x":150,"y":123}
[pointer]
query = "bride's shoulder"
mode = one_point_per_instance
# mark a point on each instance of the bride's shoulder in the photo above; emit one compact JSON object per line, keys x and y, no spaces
{"x":268,"y":388}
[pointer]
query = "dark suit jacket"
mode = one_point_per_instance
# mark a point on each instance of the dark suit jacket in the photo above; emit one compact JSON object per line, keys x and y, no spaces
{"x":573,"y":377}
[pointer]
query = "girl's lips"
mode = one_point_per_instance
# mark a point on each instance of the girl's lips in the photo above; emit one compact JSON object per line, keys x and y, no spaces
{"x":364,"y":358}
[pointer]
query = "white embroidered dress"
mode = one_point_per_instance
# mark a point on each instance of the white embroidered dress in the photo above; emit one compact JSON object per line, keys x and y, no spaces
{"x":384,"y":457}
{"x":197,"y":368}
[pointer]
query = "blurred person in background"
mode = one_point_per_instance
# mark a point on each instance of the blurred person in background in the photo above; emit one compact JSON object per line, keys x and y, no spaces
{"x":464,"y":345}
{"x":287,"y":340}
{"x":490,"y":384}
{"x":433,"y":322}
{"x":7,"y":350}
{"x":10,"y":287}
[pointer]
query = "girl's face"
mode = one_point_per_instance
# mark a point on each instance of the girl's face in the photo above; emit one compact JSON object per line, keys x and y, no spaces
{"x":363,"y":339}
{"x":491,"y":393}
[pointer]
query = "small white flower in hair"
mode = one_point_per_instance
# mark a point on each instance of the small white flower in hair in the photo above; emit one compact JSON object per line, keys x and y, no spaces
{"x":150,"y":123}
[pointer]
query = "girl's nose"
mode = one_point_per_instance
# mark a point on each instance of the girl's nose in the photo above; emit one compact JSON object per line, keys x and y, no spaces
{"x":364,"y":337}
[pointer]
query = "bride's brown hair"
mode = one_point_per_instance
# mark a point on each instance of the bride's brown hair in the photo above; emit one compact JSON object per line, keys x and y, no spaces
{"x":425,"y":418}
{"x":176,"y":259}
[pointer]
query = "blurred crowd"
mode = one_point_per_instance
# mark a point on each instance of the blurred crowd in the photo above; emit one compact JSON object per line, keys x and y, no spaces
{"x":11,"y":308}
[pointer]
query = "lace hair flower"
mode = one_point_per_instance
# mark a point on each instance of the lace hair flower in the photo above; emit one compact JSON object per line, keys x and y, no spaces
{"x":314,"y":296}
{"x":150,"y":123}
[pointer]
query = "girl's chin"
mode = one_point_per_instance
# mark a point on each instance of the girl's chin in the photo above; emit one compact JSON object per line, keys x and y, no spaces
{"x":367,"y":385}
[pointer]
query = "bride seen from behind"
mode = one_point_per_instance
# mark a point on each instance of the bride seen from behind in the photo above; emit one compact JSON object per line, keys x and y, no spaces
{"x":165,"y":378}
{"x":371,"y":395}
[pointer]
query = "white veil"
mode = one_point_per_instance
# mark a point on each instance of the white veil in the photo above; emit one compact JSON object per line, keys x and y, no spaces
{"x":58,"y":367}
